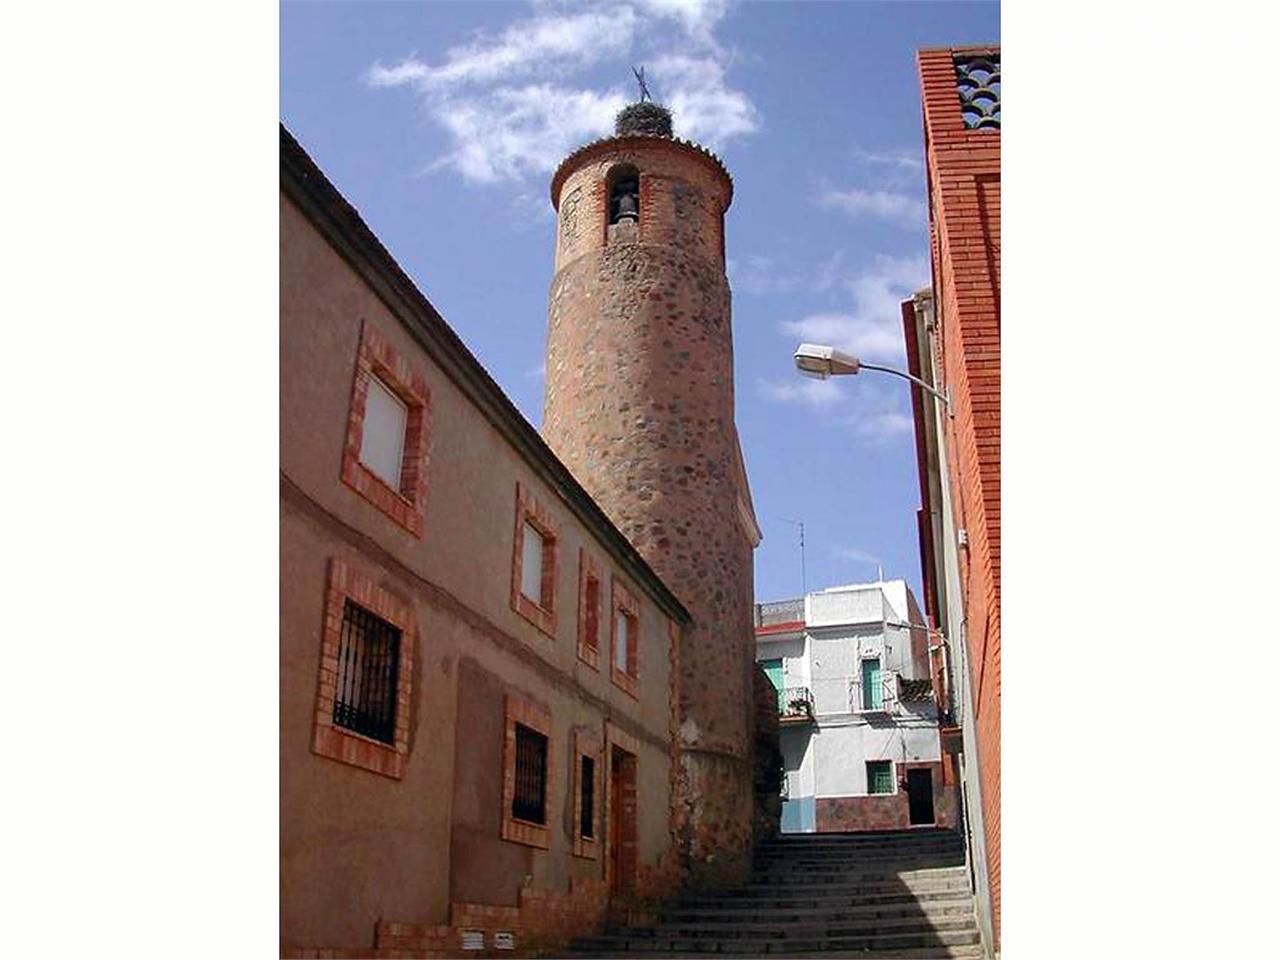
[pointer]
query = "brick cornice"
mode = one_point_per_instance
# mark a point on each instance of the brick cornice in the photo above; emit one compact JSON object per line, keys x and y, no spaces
{"x":607,"y":145}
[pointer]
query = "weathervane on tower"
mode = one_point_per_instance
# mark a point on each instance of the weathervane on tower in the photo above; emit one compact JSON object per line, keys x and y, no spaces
{"x":644,"y":88}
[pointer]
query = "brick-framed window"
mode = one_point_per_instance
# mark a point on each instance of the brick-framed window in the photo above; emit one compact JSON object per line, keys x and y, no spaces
{"x":388,"y":397}
{"x":624,"y":632}
{"x":362,"y":700}
{"x":533,"y":564}
{"x":588,"y":785}
{"x":528,"y":770}
{"x":880,"y":777}
{"x":590,"y":608}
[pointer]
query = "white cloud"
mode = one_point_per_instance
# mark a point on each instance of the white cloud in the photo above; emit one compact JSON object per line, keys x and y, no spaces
{"x":881,"y":426}
{"x":853,"y":553}
{"x":899,"y":208}
{"x":758,"y":275}
{"x":538,"y":45}
{"x":513,"y":109}
{"x":704,"y":108}
{"x":518,"y":131}
{"x":698,"y":17}
{"x":901,"y":158}
{"x":818,"y":394}
{"x":872,"y":330}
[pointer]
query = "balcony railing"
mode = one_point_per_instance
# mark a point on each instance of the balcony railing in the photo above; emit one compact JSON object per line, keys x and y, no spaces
{"x":780,"y":611}
{"x":795,"y":705}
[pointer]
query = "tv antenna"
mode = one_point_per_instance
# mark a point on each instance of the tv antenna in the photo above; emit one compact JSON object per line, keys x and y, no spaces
{"x":644,"y":87}
{"x":804,"y":585}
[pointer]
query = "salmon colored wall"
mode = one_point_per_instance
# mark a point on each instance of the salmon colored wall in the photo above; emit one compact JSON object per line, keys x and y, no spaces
{"x":357,"y":845}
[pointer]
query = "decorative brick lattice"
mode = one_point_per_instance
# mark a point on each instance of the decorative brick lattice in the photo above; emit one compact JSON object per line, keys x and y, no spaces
{"x":338,"y":743}
{"x":404,"y":505}
{"x":978,"y":81}
{"x":541,"y":613}
{"x":535,"y":717}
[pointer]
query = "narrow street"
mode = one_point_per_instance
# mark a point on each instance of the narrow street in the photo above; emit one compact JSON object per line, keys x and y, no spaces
{"x":898,"y":893}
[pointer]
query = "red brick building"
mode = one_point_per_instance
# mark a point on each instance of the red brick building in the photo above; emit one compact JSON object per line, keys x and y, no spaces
{"x":486,"y":741}
{"x":953,"y":340}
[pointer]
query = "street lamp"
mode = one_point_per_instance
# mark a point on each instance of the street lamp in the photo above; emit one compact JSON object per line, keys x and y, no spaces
{"x":821,"y":361}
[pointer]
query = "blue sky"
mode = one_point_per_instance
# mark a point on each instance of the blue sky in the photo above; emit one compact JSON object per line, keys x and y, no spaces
{"x":442,"y":122}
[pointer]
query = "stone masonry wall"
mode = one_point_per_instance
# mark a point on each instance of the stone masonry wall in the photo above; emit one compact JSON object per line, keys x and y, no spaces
{"x":639,"y":405}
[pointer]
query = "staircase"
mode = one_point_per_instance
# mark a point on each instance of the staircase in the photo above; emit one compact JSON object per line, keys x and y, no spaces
{"x":889,"y":893}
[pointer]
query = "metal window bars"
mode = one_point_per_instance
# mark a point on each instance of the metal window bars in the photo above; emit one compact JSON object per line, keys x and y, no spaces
{"x":858,"y":703}
{"x":368,"y":672}
{"x":528,"y":802}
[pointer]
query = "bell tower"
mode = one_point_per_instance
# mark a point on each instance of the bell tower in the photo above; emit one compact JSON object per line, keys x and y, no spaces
{"x":639,"y":405}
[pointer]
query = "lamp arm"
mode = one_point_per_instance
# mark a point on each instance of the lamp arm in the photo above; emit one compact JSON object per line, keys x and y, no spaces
{"x":946,"y":401}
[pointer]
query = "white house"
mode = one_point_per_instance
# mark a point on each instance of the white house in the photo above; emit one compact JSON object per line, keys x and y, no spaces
{"x":859,"y":723}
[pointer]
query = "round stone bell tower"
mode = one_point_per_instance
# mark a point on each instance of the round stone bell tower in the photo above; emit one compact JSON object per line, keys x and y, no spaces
{"x":639,"y":405}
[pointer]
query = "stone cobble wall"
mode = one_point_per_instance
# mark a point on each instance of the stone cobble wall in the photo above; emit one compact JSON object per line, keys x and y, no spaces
{"x":639,"y":405}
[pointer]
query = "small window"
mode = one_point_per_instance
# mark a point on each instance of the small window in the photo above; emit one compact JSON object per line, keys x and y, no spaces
{"x":531,"y":565}
{"x":529,"y":802}
{"x":587,"y":824}
{"x":879,"y":776}
{"x":368,"y":667}
{"x":625,"y":624}
{"x":591,"y":618}
{"x":533,"y":562}
{"x":624,"y":637}
{"x":624,"y":194}
{"x":382,"y":442}
{"x":872,"y":689}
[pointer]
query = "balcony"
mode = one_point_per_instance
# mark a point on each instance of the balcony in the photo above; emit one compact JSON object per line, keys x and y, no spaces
{"x":795,"y":706}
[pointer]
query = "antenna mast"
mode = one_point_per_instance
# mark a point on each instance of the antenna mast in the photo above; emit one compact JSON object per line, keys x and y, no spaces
{"x":804,"y":584}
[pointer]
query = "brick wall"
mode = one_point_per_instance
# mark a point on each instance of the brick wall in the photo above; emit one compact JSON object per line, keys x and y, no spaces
{"x":964,"y":192}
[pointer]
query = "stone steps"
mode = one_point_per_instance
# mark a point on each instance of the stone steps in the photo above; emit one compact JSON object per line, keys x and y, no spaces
{"x":811,"y":927}
{"x":958,"y":903}
{"x":785,"y":946}
{"x":889,"y":894}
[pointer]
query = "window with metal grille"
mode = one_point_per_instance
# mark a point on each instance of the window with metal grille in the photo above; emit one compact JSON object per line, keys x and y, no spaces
{"x":587,"y":824}
{"x":879,"y":776}
{"x":529,"y":800}
{"x":368,"y":670}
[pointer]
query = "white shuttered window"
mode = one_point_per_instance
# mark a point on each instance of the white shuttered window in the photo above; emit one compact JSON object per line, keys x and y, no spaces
{"x":623,"y":642}
{"x":385,"y":419}
{"x":531,"y":565}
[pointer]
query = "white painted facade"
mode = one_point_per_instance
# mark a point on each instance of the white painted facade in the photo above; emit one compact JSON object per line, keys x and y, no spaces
{"x":842,"y":628}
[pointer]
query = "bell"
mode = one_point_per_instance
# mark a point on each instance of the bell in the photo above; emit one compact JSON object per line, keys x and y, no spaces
{"x":627,"y":209}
